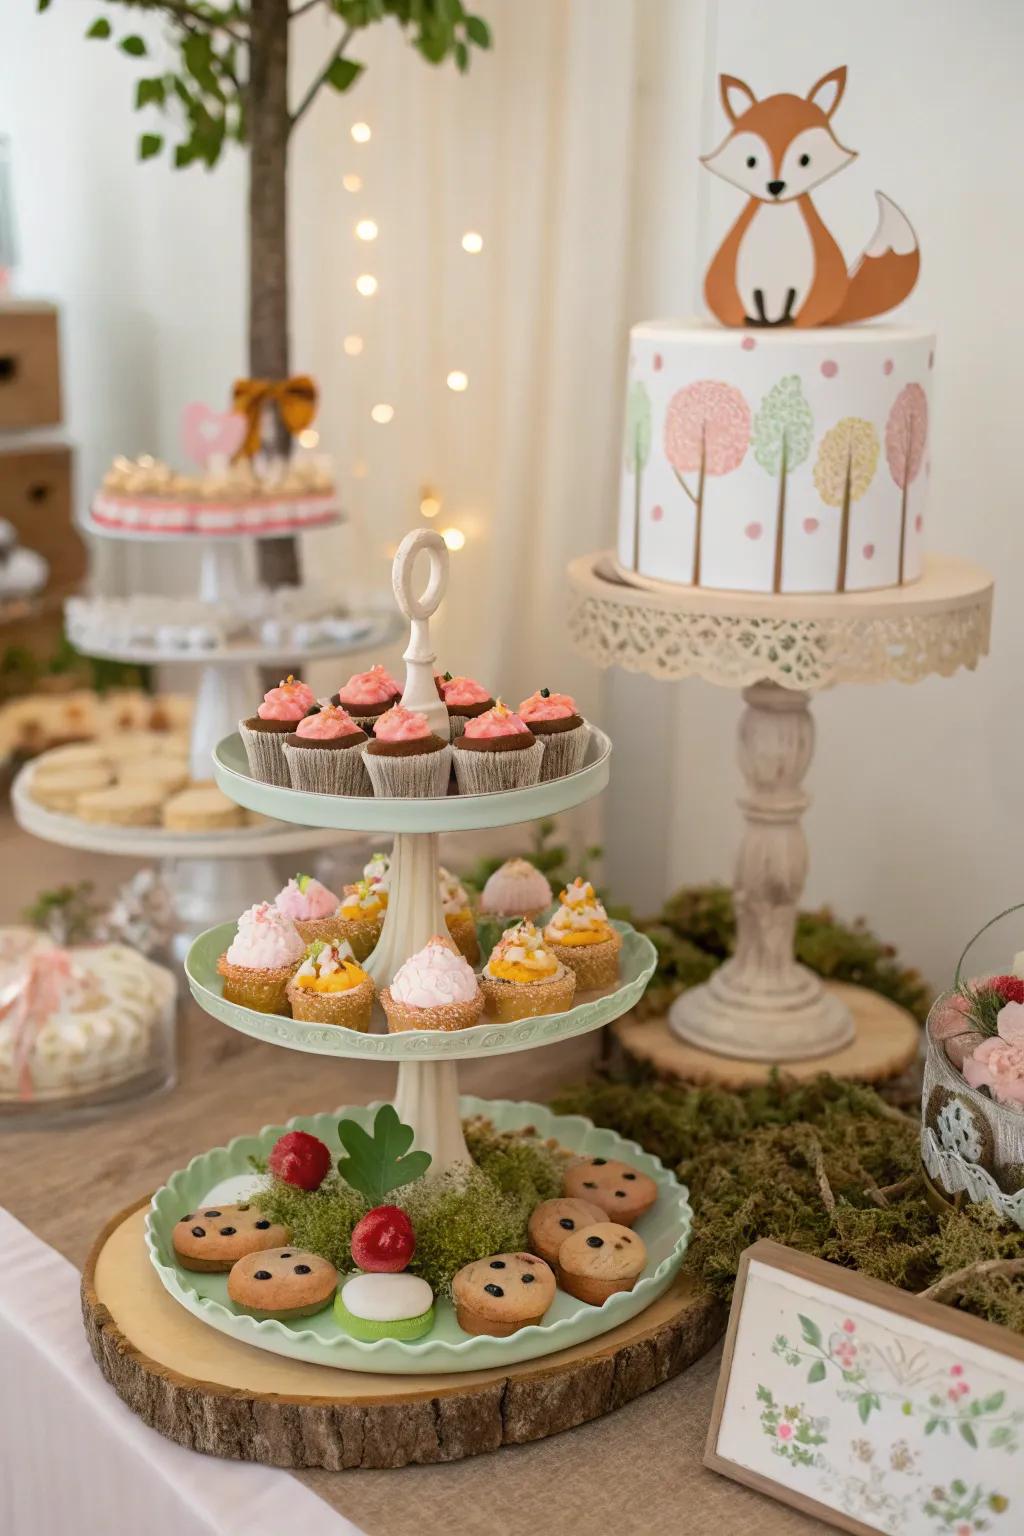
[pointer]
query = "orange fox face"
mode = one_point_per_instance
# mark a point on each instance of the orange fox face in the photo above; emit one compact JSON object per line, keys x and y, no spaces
{"x":782,"y":147}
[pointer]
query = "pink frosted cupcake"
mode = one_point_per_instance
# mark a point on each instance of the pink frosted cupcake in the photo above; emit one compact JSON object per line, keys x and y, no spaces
{"x":465,"y":699}
{"x":311,"y":907}
{"x":435,"y":989}
{"x":554,"y":720}
{"x":368,"y":695}
{"x":260,"y":959}
{"x":277,"y":717}
{"x":324,"y":754}
{"x":496,"y":751}
{"x":405,"y":759}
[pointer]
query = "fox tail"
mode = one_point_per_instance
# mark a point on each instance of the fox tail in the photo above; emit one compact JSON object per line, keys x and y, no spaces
{"x":886,"y":272}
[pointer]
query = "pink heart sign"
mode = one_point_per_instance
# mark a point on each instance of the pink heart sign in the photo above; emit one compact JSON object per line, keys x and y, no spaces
{"x":207,"y":434}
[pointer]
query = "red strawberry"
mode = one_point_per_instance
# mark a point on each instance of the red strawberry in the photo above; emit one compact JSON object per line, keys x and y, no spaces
{"x":299,"y":1159}
{"x":383,"y":1241}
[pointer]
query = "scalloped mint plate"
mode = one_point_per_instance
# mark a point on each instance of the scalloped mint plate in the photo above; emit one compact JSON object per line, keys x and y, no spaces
{"x":665,"y":1229}
{"x":637,"y":960}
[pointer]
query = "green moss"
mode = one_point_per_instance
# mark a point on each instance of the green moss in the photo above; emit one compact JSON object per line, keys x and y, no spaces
{"x":320,"y":1219}
{"x":459,"y":1217}
{"x":517,"y":1163}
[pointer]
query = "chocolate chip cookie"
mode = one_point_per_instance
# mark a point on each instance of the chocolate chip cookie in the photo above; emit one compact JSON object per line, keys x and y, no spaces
{"x":282,"y":1283}
{"x":213,"y":1237}
{"x":598,"y":1261}
{"x":503,"y":1293}
{"x":552,"y":1221}
{"x":622,"y":1192}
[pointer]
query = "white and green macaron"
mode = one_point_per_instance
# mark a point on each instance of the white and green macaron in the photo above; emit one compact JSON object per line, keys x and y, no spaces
{"x":385,"y":1306}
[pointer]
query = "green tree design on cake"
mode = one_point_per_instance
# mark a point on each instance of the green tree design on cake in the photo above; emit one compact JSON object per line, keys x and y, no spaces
{"x":782,"y":437}
{"x":845,"y":467}
{"x":638,"y":451}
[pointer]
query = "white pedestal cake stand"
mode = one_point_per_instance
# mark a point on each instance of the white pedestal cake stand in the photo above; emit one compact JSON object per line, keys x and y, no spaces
{"x":761,"y":1006}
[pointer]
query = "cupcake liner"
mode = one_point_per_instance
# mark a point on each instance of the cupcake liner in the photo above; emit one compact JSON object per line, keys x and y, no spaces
{"x":263,"y":990}
{"x":412,"y":776}
{"x":446,"y":1016}
{"x":595,"y":965}
{"x":485,"y":773}
{"x":362,"y":933}
{"x":564,"y":751}
{"x":510,"y":1000}
{"x":265,"y":751}
{"x":462,"y":929}
{"x":330,"y":929}
{"x":350,"y":1009}
{"x":326,"y":770}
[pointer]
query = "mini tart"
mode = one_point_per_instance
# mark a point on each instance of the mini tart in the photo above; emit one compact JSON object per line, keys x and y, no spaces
{"x":462,"y":929}
{"x":349,"y":1007}
{"x":385,"y":1306}
{"x":361,"y":932}
{"x":594,"y":964}
{"x":266,"y":991}
{"x":503,"y":1293}
{"x":510,"y":1000}
{"x":444,"y":1016}
{"x":599,"y":1261}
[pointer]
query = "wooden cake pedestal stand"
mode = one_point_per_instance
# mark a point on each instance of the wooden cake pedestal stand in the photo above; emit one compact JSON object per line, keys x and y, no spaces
{"x":762,"y":1008}
{"x":217,"y":1395}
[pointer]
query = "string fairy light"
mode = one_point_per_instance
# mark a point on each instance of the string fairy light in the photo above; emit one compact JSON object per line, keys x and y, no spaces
{"x":382,"y":413}
{"x":351,"y":182}
{"x":361,"y":133}
{"x":366,"y":284}
{"x":454,"y":538}
{"x":352,"y":346}
{"x":457,"y":380}
{"x":309,"y":437}
{"x":430,"y":504}
{"x":366,"y":229}
{"x":472,"y":242}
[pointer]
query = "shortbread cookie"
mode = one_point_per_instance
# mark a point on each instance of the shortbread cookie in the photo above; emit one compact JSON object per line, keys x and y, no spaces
{"x":624,"y":1193}
{"x":167,"y":774}
{"x":201,"y":808}
{"x":213,"y":1237}
{"x":599,"y":1261}
{"x":122,"y":805}
{"x":553,"y":1220}
{"x":282,"y":1283}
{"x":58,"y":788}
{"x":502,"y":1294}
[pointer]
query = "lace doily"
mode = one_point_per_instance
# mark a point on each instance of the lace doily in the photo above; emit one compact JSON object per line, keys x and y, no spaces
{"x":734,"y":639}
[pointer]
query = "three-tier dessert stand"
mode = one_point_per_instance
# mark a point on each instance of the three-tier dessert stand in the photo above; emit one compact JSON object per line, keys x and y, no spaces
{"x":150,"y":1324}
{"x":762,"y":1007}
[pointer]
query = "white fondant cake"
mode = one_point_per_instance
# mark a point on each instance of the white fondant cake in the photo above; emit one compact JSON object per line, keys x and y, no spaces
{"x":777,"y":460}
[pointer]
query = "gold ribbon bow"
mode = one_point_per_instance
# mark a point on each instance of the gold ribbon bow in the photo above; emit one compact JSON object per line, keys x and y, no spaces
{"x":295,"y":398}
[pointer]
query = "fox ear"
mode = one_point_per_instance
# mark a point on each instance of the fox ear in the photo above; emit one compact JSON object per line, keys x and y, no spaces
{"x":736,"y":96}
{"x":827,"y":92}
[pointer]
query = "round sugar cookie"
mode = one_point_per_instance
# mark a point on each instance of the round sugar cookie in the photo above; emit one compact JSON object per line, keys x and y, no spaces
{"x":201,"y":808}
{"x":214,"y":1237}
{"x":121,"y":805}
{"x":622,"y":1192}
{"x":282,"y":1282}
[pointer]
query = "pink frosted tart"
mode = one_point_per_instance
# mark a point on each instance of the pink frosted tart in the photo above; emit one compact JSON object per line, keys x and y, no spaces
{"x":260,"y":959}
{"x":555,"y":720}
{"x":434,"y":989}
{"x":516,"y":889}
{"x":496,"y":751}
{"x":323,"y":754}
{"x":263,"y":734}
{"x":404,"y":758}
{"x":312,"y":907}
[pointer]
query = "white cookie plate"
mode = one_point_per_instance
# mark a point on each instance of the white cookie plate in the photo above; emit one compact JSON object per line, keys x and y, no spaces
{"x":665,"y":1229}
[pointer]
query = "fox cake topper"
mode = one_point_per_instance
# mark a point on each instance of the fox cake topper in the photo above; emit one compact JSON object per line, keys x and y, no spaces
{"x":779,"y":264}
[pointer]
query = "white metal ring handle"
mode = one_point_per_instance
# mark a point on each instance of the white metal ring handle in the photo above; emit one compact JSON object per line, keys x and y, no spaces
{"x":402,"y":572}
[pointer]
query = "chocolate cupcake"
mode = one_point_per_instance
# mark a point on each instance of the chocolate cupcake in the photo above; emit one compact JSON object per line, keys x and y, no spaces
{"x":264,"y":733}
{"x":496,"y":751}
{"x":404,"y":758}
{"x":368,"y":695}
{"x":324,"y":754}
{"x":465,"y":699}
{"x":554,"y":719}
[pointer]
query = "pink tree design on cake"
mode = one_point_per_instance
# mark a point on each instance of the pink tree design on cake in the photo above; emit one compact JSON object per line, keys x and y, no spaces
{"x":707,"y":432}
{"x":906,"y":434}
{"x":845,"y":467}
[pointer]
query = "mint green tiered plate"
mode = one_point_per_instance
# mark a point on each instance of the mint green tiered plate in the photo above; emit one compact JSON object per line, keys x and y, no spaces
{"x":665,"y":1229}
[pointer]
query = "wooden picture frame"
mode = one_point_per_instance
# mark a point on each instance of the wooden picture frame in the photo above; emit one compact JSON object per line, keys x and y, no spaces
{"x":899,"y":1417}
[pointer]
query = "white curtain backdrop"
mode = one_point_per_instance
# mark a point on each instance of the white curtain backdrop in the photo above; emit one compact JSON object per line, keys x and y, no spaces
{"x":572,"y":150}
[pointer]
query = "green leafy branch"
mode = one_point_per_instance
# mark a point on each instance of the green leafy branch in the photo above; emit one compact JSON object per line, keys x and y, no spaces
{"x":207,"y":86}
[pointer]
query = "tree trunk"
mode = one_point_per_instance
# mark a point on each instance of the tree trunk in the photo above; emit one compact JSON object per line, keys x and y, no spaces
{"x":268,"y":123}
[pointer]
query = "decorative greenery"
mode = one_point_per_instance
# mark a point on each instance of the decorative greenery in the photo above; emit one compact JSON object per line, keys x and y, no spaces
{"x":456,"y":1218}
{"x":827,"y":1167}
{"x":555,"y":860}
{"x":380,"y":1161}
{"x":207,"y":88}
{"x":70,"y":914}
{"x":982,"y":1002}
{"x":22,"y":670}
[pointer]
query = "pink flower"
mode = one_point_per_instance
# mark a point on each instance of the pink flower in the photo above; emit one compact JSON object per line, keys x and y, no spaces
{"x":849,"y":1326}
{"x":956,"y":1370}
{"x":998,"y":1062}
{"x":785,"y":1431}
{"x":964,"y":1530}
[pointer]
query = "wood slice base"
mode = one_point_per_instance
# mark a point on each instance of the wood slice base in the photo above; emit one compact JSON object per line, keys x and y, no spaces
{"x":886,"y":1041}
{"x":214,"y":1394}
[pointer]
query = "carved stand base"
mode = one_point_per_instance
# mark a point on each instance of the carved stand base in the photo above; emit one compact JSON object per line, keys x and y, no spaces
{"x":798,"y":1022}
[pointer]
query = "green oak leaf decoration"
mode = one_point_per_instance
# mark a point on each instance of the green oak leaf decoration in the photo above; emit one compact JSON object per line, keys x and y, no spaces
{"x":379,"y":1162}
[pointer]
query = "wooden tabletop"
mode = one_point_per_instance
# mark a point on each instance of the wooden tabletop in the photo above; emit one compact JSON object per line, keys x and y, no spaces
{"x":636,"y":1472}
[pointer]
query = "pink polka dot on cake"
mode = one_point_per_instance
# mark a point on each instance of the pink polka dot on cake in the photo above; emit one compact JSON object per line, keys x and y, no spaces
{"x":657,"y":362}
{"x":810,"y":525}
{"x":753,"y":530}
{"x":887,"y":366}
{"x":829,"y":368}
{"x":869,"y":551}
{"x":748,"y":343}
{"x":657,"y":513}
{"x":918,"y":522}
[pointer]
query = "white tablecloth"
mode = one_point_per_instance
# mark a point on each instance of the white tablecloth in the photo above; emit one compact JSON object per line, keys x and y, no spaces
{"x":74,"y":1461}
